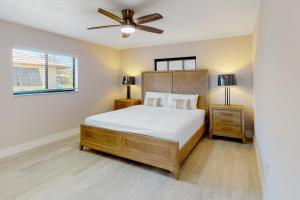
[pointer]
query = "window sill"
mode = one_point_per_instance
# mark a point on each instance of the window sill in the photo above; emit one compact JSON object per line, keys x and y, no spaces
{"x":38,"y":92}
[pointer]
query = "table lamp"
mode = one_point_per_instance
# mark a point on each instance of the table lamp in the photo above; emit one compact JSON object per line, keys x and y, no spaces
{"x":227,"y":80}
{"x":128,"y":81}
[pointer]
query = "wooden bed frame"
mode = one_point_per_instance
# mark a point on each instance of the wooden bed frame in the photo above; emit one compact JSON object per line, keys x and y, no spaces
{"x":150,"y":150}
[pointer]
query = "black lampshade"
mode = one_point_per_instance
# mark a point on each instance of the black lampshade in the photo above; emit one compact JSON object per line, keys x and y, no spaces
{"x":226,"y":80}
{"x":128,"y":80}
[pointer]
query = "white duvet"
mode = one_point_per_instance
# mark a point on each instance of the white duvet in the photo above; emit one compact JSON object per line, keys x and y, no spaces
{"x":167,"y":123}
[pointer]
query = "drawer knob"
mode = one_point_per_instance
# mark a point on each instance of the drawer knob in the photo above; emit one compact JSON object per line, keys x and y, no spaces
{"x":226,"y":129}
{"x":228,"y":114}
{"x":227,"y":121}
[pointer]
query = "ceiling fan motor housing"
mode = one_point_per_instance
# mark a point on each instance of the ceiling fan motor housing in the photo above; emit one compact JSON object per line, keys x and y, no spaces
{"x":128,"y":17}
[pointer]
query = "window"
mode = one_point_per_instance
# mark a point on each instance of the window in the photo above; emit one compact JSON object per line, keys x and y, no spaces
{"x":40,"y":72}
{"x":180,"y":63}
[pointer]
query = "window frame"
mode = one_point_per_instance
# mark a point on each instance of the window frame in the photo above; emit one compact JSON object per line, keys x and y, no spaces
{"x":167,"y":62}
{"x":47,"y":90}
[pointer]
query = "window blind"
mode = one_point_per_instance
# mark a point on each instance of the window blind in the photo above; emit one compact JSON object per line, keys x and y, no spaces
{"x":42,"y":72}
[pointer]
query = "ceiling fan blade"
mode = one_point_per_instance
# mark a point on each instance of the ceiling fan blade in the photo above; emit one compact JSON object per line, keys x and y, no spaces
{"x":125,"y":35}
{"x":149,"y":18}
{"x":110,"y":15}
{"x":98,"y":27}
{"x":149,"y":29}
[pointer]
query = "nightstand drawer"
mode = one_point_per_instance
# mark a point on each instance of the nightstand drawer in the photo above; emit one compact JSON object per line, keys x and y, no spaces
{"x":120,"y":104}
{"x":227,"y":119}
{"x":227,"y":113}
{"x":227,"y":128}
{"x":124,"y":103}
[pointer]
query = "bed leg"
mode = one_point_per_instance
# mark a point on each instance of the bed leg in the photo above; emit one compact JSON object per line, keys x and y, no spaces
{"x":81,"y":147}
{"x":244,"y":140}
{"x":176,"y":173}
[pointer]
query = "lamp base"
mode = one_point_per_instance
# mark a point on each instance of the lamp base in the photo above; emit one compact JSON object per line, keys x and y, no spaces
{"x":128,"y":92}
{"x":227,"y":96}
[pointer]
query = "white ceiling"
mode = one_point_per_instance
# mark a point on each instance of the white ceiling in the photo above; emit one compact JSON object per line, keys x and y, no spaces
{"x":184,"y":20}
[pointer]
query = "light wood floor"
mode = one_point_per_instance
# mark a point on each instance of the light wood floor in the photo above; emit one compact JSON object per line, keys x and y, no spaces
{"x":216,"y":170}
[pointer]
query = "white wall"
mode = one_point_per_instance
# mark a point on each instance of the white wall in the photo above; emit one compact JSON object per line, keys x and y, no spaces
{"x":226,"y":55}
{"x":277,"y":97}
{"x":24,"y":118}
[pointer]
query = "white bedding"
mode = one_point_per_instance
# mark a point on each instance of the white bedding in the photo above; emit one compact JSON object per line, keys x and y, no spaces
{"x":167,"y":123}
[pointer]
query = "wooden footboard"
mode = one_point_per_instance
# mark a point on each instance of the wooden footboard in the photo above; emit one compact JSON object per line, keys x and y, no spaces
{"x":149,"y":150}
{"x":188,"y":147}
{"x":145,"y":149}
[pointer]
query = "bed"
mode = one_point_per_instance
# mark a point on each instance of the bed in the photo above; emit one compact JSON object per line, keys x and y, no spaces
{"x":158,"y":136}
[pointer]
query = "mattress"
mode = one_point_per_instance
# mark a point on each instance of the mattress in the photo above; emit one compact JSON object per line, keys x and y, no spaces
{"x":162,"y":122}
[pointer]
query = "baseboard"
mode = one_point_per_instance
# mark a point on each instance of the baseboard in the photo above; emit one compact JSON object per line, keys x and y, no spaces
{"x":38,"y":142}
{"x":260,"y":170}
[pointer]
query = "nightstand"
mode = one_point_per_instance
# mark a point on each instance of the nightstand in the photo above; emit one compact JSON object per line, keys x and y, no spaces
{"x":228,"y":121}
{"x":124,"y":103}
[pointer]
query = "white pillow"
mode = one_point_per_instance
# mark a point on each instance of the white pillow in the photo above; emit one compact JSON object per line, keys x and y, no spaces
{"x":154,"y":102}
{"x":162,"y":96}
{"x":180,"y":104}
{"x":193,"y":99}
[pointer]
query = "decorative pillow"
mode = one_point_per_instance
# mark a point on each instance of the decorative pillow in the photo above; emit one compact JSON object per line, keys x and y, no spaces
{"x":180,"y":104}
{"x":192,"y":103}
{"x":162,"y":96}
{"x":154,"y":102}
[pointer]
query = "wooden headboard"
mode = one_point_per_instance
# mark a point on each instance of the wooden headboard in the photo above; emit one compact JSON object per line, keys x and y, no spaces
{"x":179,"y":82}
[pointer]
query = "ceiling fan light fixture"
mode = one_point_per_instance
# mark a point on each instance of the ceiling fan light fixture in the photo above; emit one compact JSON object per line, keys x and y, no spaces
{"x":128,"y":28}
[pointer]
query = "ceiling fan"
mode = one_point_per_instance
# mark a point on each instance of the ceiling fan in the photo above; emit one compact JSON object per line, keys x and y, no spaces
{"x":128,"y":24}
